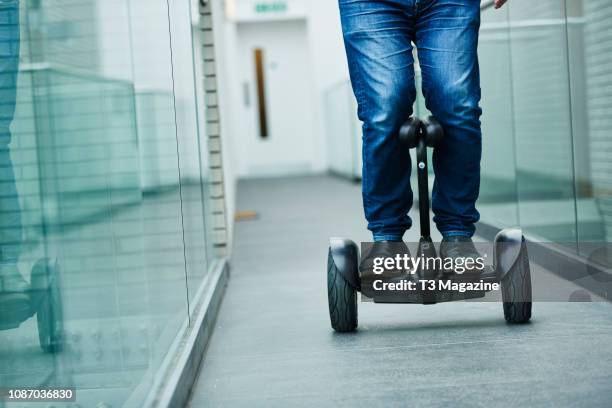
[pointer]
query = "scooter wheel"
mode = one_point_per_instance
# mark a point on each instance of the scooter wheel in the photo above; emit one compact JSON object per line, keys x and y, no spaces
{"x":342,"y":299}
{"x":49,"y":315}
{"x":516,"y":290}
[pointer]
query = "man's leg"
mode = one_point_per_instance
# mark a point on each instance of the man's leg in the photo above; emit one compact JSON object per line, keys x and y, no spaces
{"x":447,"y":40}
{"x":10,"y":211}
{"x":377,"y":36}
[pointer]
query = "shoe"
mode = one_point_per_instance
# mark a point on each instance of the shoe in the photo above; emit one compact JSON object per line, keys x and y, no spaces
{"x":460,"y":248}
{"x":384,"y":249}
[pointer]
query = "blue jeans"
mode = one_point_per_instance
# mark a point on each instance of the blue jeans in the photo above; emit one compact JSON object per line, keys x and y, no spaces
{"x":10,"y":210}
{"x":379,"y":36}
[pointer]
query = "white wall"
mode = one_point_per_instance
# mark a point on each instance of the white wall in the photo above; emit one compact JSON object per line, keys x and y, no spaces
{"x":328,"y":61}
{"x":326,"y":53}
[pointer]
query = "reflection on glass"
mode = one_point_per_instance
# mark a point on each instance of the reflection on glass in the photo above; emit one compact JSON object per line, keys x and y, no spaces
{"x":590,"y":61}
{"x":11,"y":280}
{"x":35,"y":306}
{"x":498,"y":195}
{"x":544,"y":155}
{"x":103,"y":200}
{"x":343,"y":130}
{"x":192,"y":160}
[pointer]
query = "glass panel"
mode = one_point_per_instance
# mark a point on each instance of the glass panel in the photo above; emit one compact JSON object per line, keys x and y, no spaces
{"x":590,"y":58}
{"x":191,"y":152}
{"x":100,"y":168}
{"x":343,"y":130}
{"x":163,"y":284}
{"x":498,"y":195}
{"x":542,"y":119}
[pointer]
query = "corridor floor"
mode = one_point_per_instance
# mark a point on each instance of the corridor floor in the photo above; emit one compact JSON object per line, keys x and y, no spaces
{"x":273,"y":346}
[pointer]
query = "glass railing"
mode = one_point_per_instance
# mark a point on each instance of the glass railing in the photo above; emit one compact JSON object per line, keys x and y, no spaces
{"x":80,"y":129}
{"x":553,"y":78}
{"x":104,"y":235}
{"x":343,"y":130}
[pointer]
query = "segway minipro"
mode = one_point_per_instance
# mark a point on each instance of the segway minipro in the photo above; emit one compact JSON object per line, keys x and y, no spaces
{"x":43,"y":299}
{"x":510,"y":268}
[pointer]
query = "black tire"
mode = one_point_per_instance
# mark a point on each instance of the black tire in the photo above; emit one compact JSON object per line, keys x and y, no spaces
{"x":49,"y":315}
{"x":516,"y":290}
{"x":342,"y":299}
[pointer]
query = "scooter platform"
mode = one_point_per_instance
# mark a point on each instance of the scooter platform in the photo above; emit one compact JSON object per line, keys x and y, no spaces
{"x":15,"y":308}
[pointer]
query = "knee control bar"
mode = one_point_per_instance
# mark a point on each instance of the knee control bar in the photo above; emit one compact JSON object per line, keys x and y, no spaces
{"x":421,"y":134}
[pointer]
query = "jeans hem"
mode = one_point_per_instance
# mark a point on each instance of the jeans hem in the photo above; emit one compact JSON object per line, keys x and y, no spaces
{"x":387,"y":237}
{"x":448,"y":234}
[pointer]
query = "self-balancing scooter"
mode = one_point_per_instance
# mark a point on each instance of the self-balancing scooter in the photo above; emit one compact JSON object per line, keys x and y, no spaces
{"x":510,"y":269}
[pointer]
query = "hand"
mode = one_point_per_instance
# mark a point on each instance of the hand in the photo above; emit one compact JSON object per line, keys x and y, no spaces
{"x":499,"y":3}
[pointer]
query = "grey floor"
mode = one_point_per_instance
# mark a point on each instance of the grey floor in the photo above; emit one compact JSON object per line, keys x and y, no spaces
{"x":273,"y":345}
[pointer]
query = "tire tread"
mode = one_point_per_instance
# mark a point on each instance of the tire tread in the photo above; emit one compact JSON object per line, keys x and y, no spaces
{"x":342,"y":299}
{"x":516,"y":291}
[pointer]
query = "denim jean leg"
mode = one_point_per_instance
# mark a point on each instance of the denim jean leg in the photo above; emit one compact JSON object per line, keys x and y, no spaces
{"x":10,"y":221}
{"x":377,"y":37}
{"x":447,"y":40}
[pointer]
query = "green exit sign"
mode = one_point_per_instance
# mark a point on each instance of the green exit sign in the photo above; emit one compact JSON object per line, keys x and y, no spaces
{"x":272,"y":7}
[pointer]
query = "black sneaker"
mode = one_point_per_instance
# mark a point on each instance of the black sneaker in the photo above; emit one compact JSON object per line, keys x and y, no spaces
{"x":384,"y":249}
{"x":459,"y":248}
{"x":372,"y":269}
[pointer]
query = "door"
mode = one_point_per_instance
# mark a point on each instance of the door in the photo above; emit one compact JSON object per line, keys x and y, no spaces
{"x":277,"y":99}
